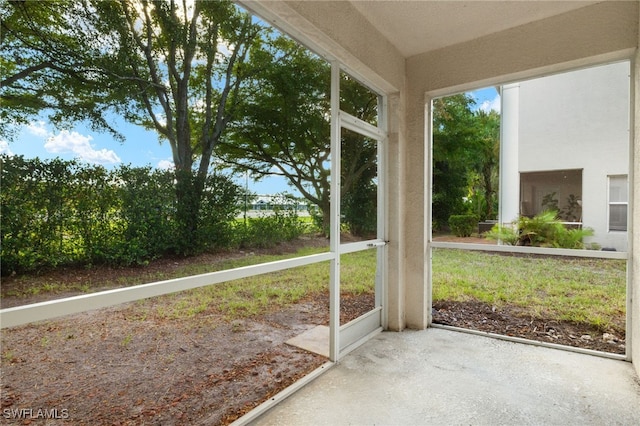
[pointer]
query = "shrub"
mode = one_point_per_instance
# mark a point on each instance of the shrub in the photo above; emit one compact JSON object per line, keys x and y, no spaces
{"x":218,"y":210}
{"x":146,"y":208}
{"x":63,"y":212}
{"x":359,"y":209}
{"x":319,"y":221}
{"x":506,"y":234}
{"x":94,"y":205}
{"x":36,"y":213}
{"x":463,"y":225}
{"x":543,"y":230}
{"x":271,"y":229}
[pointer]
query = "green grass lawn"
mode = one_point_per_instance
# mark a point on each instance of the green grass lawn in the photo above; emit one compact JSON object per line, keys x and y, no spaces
{"x":555,"y":288}
{"x":572,"y":289}
{"x":255,"y":295}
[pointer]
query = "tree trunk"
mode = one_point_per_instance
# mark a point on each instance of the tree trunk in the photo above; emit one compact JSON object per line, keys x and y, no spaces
{"x":189,"y":188}
{"x":325,"y":209}
{"x":488,"y":192}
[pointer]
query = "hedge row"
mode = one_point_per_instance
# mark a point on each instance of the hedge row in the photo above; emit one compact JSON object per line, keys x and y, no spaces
{"x":66,"y":213}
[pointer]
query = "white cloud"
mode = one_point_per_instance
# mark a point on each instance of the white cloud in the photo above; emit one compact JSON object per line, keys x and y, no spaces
{"x":224,"y":47}
{"x":75,"y":143}
{"x":161,"y":117}
{"x":491,"y":105}
{"x":4,"y":148}
{"x":165,"y":165}
{"x":38,"y":128}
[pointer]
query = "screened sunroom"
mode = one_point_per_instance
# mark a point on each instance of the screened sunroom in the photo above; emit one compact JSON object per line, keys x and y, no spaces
{"x":405,"y":55}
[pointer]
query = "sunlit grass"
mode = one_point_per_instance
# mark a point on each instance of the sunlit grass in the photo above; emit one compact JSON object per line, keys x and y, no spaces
{"x":32,"y":285}
{"x":589,"y":291}
{"x":358,"y":272}
{"x":262,"y":293}
{"x":579,"y":290}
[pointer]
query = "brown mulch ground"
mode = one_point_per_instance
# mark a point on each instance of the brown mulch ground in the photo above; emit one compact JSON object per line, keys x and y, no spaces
{"x":126,"y":365}
{"x":510,"y":321}
{"x":112,"y":367}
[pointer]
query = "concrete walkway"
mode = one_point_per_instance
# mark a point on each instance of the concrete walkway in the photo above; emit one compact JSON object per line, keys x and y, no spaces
{"x":442,"y":377}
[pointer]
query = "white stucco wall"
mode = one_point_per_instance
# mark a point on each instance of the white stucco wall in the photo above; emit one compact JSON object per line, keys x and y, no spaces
{"x":576,"y":120}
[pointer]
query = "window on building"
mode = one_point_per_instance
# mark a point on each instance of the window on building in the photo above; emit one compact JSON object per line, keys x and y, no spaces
{"x":618,"y":203}
{"x":558,"y":190}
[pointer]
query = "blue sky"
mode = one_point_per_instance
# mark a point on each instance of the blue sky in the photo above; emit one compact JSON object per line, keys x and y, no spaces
{"x":487,"y":99}
{"x":140,"y":148}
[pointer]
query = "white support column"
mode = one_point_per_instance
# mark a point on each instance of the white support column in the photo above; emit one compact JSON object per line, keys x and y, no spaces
{"x":428,"y":206}
{"x":416,"y":206}
{"x":393,"y":316}
{"x":509,"y":209}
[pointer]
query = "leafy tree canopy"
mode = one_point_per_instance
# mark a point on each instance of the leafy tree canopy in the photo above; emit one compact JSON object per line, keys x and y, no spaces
{"x":172,"y":66}
{"x":452,"y":136}
{"x":466,"y":152}
{"x":284,"y":125}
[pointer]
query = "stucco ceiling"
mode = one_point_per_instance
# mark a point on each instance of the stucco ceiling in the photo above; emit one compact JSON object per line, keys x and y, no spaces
{"x":420,"y":26}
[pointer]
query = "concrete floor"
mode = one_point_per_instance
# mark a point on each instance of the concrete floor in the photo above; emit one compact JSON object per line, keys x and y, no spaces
{"x":442,"y":377}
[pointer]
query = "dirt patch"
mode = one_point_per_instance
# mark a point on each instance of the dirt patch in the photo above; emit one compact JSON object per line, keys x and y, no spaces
{"x":114,"y":367}
{"x":132,"y":365}
{"x":510,"y":321}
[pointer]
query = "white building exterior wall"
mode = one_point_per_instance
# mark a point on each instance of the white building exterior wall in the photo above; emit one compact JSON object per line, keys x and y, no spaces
{"x":575,"y":120}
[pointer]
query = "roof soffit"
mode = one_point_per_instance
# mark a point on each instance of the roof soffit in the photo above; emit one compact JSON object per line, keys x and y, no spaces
{"x":416,"y":27}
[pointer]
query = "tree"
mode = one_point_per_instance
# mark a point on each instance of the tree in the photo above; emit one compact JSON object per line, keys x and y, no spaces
{"x":466,"y":157}
{"x":47,"y":62}
{"x":175,"y":67}
{"x":486,"y":161}
{"x":359,"y":157}
{"x":284,"y":126}
{"x":453,"y":133}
